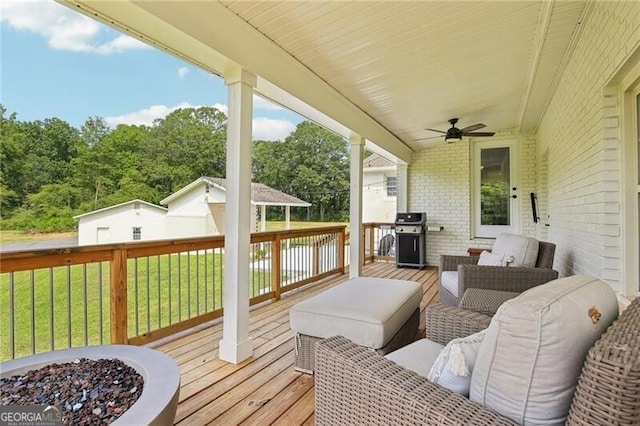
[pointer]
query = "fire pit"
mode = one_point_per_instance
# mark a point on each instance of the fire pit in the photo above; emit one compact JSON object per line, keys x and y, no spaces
{"x":159,"y":400}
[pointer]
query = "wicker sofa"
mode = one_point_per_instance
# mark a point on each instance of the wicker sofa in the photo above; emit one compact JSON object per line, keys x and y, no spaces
{"x":356,"y":386}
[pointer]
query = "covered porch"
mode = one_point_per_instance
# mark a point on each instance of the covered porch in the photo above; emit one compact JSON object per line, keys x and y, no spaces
{"x":264,"y":389}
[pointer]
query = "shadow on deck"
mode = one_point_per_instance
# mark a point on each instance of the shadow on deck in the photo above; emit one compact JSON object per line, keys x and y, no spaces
{"x":264,"y":389}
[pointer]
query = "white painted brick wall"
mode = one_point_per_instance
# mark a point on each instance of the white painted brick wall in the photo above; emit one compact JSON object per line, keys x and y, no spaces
{"x":439,"y":182}
{"x":579,"y":135}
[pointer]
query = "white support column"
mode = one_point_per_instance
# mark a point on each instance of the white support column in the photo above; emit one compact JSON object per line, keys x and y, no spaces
{"x":236,"y":345}
{"x":287,"y":217}
{"x":263,"y":218}
{"x":287,"y":224}
{"x":403,"y":187}
{"x":355,"y":206}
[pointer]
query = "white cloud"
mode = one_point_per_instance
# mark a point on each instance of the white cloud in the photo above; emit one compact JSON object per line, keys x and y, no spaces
{"x":63,"y":28}
{"x":145,"y":116}
{"x":271,"y":129}
{"x":263,"y":128}
{"x":182,"y":71}
{"x":262,"y":103}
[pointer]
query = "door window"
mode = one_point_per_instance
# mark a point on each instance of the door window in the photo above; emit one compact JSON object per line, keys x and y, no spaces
{"x":495,"y":189}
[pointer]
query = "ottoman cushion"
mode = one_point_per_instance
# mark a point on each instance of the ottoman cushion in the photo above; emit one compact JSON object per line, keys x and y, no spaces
{"x":367,"y":311}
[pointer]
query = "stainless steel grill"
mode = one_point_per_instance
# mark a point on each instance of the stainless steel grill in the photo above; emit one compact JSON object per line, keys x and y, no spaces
{"x":411,"y":247}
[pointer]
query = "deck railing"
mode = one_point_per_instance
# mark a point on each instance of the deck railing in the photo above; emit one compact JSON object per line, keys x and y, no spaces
{"x":138,"y":292}
{"x":379,"y":241}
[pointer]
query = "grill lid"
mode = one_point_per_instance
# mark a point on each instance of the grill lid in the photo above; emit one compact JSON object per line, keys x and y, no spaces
{"x":411,"y":218}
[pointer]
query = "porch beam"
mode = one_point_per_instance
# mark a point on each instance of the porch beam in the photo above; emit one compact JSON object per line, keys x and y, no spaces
{"x":355,"y":206}
{"x":236,"y":345}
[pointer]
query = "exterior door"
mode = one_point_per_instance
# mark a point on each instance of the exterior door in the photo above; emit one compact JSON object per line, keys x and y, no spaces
{"x":102,"y":235}
{"x":495,"y":192}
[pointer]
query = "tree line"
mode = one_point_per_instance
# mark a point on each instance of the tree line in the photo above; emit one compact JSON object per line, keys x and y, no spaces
{"x":51,"y":171}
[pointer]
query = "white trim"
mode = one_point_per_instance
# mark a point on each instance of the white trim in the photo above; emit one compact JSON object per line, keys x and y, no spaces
{"x":630,"y":117}
{"x":164,"y":209}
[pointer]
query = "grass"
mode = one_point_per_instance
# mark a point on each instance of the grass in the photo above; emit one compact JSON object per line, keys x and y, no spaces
{"x":18,"y":236}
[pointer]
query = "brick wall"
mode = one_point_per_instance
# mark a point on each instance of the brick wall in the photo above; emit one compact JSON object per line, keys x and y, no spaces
{"x":579,"y":136}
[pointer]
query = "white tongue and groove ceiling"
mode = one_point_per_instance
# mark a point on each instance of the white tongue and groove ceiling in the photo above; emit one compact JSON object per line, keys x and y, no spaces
{"x":404,"y":66}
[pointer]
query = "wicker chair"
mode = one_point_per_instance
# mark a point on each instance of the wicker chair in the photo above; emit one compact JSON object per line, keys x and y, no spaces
{"x":498,"y":278}
{"x":356,"y":386}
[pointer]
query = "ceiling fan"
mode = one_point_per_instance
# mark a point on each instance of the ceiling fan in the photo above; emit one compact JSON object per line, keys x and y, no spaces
{"x":454,"y":134}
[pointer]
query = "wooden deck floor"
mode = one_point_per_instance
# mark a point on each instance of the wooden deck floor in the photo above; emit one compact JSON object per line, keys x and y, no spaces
{"x":264,"y":389}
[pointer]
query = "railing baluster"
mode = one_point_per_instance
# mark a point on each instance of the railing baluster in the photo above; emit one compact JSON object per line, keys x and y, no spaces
{"x":188,"y":284}
{"x":12,"y":332}
{"x":197,"y":282}
{"x":100,"y":308}
{"x":84,"y":297}
{"x":170,"y":255}
{"x":32,"y":283}
{"x":148,"y":294}
{"x":69,"y":342}
{"x":159,"y":292}
{"x":179,"y":287}
{"x":206,"y":281}
{"x":51,"y":317}
{"x":136,"y":294}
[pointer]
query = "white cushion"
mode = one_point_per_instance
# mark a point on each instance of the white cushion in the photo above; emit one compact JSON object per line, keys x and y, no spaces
{"x":523,"y":249}
{"x":449,"y":281}
{"x":418,"y":356}
{"x":367,"y":311}
{"x":453,"y":367}
{"x":528,"y":365}
{"x":491,"y":259}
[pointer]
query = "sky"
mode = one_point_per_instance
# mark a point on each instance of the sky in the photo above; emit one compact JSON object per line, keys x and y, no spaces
{"x":55,"y":62}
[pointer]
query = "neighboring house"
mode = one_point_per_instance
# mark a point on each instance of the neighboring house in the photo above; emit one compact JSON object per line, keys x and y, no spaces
{"x":379,"y":189}
{"x":135,"y":220}
{"x":196,"y":210}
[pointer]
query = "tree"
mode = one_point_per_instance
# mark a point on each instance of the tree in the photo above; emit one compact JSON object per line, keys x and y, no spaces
{"x":100,"y":168}
{"x":186,"y":144}
{"x":312,"y":164}
{"x":93,"y":130}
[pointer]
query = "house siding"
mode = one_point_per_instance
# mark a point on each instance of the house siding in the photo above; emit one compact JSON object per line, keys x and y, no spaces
{"x":580,"y":137}
{"x":119,"y":222}
{"x":377,"y":206}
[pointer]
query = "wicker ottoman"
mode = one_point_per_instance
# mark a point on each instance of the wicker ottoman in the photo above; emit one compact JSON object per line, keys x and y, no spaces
{"x":377,"y":313}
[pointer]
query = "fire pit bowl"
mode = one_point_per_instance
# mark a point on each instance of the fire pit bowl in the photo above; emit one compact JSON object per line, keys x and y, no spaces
{"x":159,"y":400}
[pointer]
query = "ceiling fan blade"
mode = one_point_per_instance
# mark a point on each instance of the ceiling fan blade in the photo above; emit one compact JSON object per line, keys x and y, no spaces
{"x":479,"y":133}
{"x":436,"y":130}
{"x":472,"y":128}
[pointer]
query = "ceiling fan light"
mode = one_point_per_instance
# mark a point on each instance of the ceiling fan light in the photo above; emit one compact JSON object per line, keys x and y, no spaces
{"x":452,"y":139}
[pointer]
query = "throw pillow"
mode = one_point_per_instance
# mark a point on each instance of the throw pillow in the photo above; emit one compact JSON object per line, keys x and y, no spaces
{"x":491,"y":259}
{"x":452,"y":368}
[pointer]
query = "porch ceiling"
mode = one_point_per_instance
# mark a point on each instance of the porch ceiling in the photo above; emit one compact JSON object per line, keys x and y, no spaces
{"x":385,"y":70}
